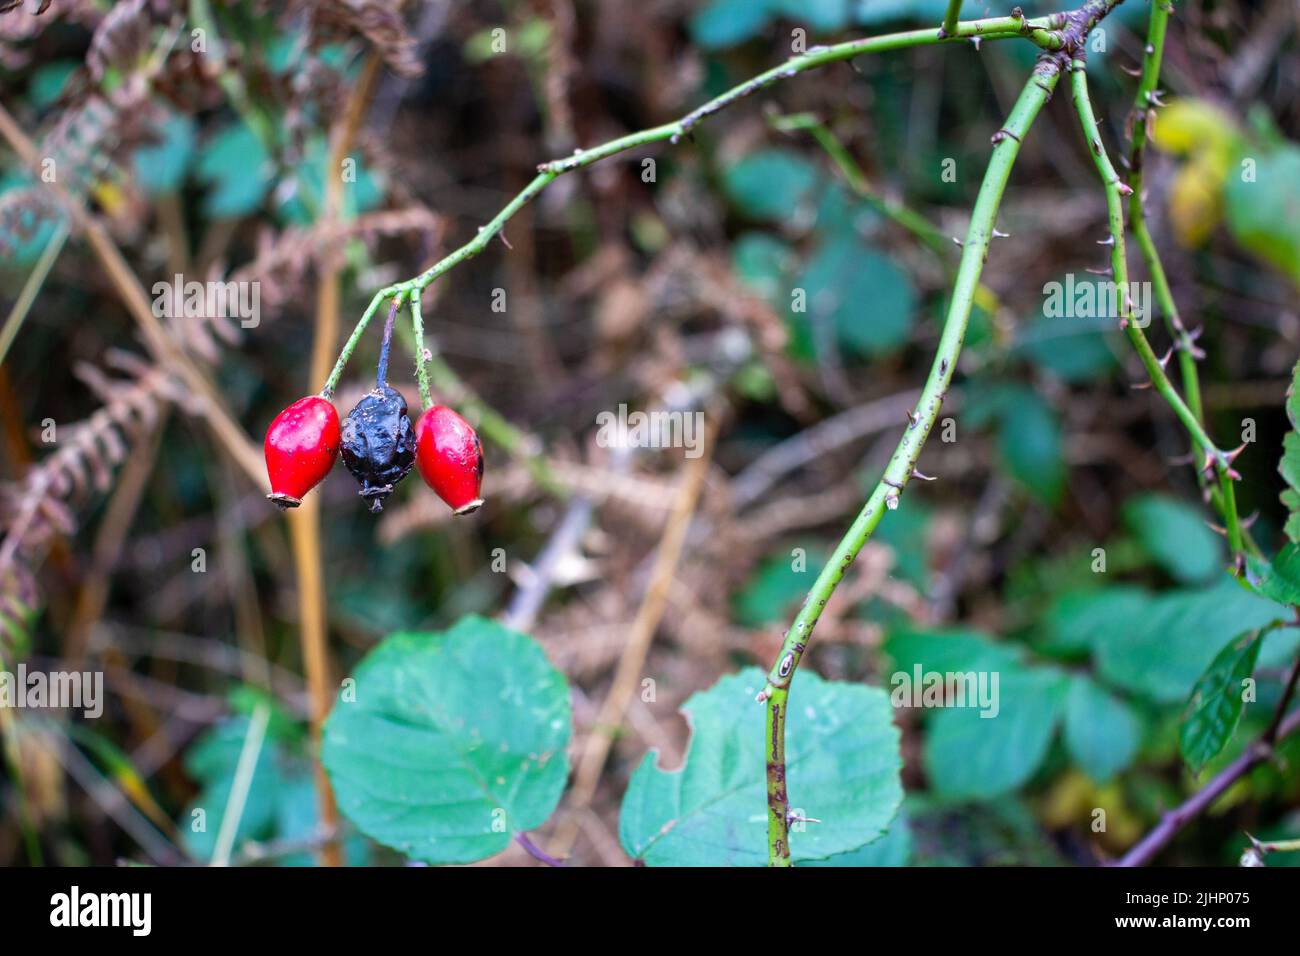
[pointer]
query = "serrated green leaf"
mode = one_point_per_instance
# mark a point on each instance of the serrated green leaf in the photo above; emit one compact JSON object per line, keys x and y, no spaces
{"x":1174,"y":534}
{"x":842,"y":767}
{"x":455,"y":741}
{"x":1101,"y":731}
{"x":892,"y":849}
{"x":1289,"y":466}
{"x":1215,"y":705}
{"x":970,"y":756}
{"x":1279,"y":579}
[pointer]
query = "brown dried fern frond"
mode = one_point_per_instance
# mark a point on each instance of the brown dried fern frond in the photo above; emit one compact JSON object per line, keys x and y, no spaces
{"x":379,"y":21}
{"x":122,"y":39}
{"x":41,"y":505}
{"x":284,"y":259}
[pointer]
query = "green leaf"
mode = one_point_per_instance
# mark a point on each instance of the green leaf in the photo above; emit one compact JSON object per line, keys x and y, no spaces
{"x":857,"y":293}
{"x":769,"y":183}
{"x":212,"y":761}
{"x":842,"y":767}
{"x":1074,"y":347}
{"x":49,"y":81}
{"x":892,"y":849}
{"x":948,"y":650}
{"x":778,"y":586}
{"x":1101,"y":730}
{"x":1279,"y":579}
{"x":761,"y":262}
{"x":1174,"y":534}
{"x":161,"y":168}
{"x":970,"y":756}
{"x":890,"y":11}
{"x":455,"y":741}
{"x":1289,"y":466}
{"x":1215,"y":705}
{"x":1077,"y":620}
{"x":238,"y":170}
{"x":1030,"y":445}
{"x":1161,"y":653}
{"x":725,"y":23}
{"x":1263,"y":211}
{"x":820,"y":16}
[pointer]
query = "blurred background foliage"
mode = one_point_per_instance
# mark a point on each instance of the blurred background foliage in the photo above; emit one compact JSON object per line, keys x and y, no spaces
{"x":844,"y":187}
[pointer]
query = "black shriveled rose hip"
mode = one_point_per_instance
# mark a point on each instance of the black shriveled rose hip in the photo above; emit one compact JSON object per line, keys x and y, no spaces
{"x":378,"y":441}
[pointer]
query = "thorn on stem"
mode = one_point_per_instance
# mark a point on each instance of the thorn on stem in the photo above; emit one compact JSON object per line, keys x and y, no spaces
{"x":916,"y":473}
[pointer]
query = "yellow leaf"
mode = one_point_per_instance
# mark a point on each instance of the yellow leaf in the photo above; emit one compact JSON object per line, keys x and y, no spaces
{"x":1193,"y":126}
{"x":1196,"y":199}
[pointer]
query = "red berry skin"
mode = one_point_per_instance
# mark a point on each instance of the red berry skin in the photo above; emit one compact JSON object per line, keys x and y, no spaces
{"x":300,"y":449}
{"x":449,"y":457}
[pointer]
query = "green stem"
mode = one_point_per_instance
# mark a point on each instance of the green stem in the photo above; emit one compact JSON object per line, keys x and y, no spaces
{"x":901,"y":467}
{"x":421,"y":359}
{"x":1046,"y":32}
{"x":950,"y":18}
{"x":1143,"y":108}
{"x":1115,"y":191}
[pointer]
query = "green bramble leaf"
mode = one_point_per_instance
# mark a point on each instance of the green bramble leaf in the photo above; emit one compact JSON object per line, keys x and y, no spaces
{"x":1161,"y":652}
{"x":1101,"y":731}
{"x":1216,"y":702}
{"x":971,"y":756}
{"x":1174,"y":534}
{"x":842,"y":766}
{"x":768,"y":184}
{"x":1289,"y":466}
{"x":454,"y":742}
{"x":858,"y":295}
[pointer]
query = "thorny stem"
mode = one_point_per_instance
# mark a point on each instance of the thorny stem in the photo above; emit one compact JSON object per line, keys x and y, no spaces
{"x":421,"y":357}
{"x":900,"y":469}
{"x":1115,"y":191}
{"x":1047,"y":32}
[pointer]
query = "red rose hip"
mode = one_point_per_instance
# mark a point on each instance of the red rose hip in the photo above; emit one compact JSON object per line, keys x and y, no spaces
{"x":300,"y":449}
{"x":449,"y":457}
